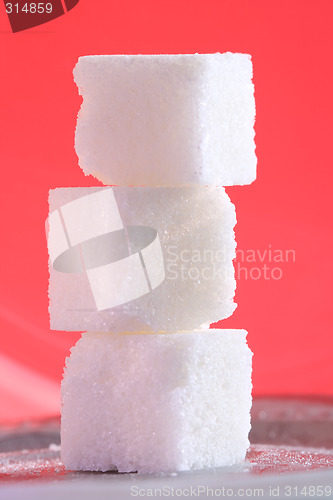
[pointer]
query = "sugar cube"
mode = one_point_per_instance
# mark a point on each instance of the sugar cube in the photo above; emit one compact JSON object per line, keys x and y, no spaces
{"x":156,"y":402}
{"x":140,"y":259}
{"x":166,"y":120}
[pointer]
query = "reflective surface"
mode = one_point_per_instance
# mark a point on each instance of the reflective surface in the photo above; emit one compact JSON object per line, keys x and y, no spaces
{"x":45,"y":463}
{"x":296,"y":469}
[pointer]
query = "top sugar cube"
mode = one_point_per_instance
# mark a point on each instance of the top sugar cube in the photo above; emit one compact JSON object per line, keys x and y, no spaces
{"x":167,"y":120}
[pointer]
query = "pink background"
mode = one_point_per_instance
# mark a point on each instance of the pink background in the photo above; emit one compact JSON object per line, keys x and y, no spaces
{"x":288,"y":208}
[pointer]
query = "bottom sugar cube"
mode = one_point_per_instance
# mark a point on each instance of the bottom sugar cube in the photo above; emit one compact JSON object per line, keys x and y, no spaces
{"x":156,"y":402}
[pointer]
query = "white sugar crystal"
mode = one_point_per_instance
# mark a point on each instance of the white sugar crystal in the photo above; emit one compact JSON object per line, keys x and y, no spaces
{"x":163,"y":261}
{"x":156,"y":402}
{"x":167,"y":120}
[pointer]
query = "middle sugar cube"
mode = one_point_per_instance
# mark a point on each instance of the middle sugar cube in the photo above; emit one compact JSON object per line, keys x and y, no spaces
{"x":140,"y":259}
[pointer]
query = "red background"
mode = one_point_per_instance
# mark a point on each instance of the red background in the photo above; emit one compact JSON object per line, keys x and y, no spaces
{"x":289,"y":207}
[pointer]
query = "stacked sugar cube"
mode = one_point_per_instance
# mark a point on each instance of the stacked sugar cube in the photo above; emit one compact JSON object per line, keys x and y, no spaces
{"x":146,"y":265}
